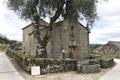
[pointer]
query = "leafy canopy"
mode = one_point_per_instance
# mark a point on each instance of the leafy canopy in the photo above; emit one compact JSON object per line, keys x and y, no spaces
{"x":73,"y":9}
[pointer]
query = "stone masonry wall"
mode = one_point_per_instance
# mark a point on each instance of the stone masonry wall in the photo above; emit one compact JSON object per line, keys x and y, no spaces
{"x":28,"y":41}
{"x":61,"y":38}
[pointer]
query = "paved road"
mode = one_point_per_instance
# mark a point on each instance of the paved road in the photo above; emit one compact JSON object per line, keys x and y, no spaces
{"x":114,"y":73}
{"x":7,"y":70}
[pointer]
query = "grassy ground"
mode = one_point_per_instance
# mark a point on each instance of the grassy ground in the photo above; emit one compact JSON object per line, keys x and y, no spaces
{"x":3,"y":47}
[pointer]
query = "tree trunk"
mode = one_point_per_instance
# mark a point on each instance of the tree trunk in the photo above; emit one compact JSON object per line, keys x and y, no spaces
{"x":39,"y":43}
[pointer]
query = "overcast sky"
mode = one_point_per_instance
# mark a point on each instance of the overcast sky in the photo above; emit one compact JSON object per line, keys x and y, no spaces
{"x":107,"y":28}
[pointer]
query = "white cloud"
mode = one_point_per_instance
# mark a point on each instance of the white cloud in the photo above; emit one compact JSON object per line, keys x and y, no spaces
{"x":108,"y":26}
{"x":10,"y":23}
{"x":105,"y":29}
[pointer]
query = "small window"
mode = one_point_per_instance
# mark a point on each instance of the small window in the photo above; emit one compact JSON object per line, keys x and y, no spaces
{"x":72,"y":33}
{"x":72,"y":28}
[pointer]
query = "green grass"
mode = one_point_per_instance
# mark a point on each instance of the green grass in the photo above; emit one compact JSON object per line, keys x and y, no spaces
{"x":3,"y":47}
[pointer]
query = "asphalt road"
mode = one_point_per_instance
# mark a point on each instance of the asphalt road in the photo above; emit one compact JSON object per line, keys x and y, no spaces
{"x":114,"y":73}
{"x":7,"y":70}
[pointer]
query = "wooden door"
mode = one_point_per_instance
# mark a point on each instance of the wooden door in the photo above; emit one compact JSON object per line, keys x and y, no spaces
{"x":71,"y":52}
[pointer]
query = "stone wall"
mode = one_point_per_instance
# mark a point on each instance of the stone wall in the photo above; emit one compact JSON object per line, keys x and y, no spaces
{"x":28,"y":41}
{"x":59,"y":65}
{"x":111,"y":49}
{"x":61,"y":40}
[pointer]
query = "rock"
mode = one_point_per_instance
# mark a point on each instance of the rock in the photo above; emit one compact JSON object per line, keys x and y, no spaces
{"x":106,"y":63}
{"x":87,"y":68}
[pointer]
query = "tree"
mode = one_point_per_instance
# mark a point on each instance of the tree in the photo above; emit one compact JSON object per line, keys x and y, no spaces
{"x":4,"y":39}
{"x":54,"y":9}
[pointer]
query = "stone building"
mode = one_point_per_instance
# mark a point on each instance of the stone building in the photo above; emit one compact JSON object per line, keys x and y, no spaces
{"x":112,"y":48}
{"x":29,"y":40}
{"x":68,"y":40}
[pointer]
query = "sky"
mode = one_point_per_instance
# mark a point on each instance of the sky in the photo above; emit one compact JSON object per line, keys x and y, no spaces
{"x":106,"y":28}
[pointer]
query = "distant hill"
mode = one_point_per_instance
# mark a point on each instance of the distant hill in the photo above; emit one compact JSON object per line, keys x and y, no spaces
{"x":93,"y":46}
{"x":4,"y":39}
{"x":4,"y":42}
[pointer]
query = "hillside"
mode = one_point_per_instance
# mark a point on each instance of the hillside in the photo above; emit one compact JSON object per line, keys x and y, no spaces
{"x":93,"y":46}
{"x":4,"y":39}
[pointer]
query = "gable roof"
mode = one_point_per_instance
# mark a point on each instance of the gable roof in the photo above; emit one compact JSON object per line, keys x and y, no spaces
{"x":116,"y":43}
{"x":87,"y":28}
{"x":42,"y":23}
{"x":45,"y":24}
{"x":27,"y":26}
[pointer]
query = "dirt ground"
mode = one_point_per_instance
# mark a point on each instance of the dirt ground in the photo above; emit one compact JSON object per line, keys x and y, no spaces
{"x":61,"y":76}
{"x":70,"y":76}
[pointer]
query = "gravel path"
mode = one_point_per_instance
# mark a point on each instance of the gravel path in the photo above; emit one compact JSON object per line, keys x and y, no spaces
{"x":7,"y":70}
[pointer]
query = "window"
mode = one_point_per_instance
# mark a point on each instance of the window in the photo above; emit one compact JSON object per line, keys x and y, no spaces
{"x":72,"y":33}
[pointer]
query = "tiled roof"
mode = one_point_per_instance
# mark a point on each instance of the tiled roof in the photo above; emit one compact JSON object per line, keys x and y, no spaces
{"x":116,"y":43}
{"x":42,"y":23}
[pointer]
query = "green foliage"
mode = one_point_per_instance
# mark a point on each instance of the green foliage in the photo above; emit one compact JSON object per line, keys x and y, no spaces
{"x":84,"y":9}
{"x":3,"y":47}
{"x":4,"y":42}
{"x":93,"y":46}
{"x":67,"y":9}
{"x":4,"y":39}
